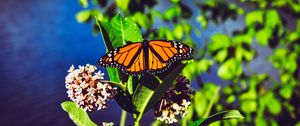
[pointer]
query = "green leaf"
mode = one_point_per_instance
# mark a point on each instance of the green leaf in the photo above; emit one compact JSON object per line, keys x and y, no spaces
{"x":254,"y":17}
{"x":79,"y":116}
{"x":298,"y":123}
{"x":130,"y":85}
{"x":286,"y":91}
{"x":142,"y":97}
{"x":273,"y":122}
{"x":83,"y":16}
{"x":113,"y":73}
{"x":249,"y":106}
{"x":283,"y":59}
{"x":174,"y":1}
{"x":225,"y":115}
{"x":291,"y":62}
{"x":172,"y":12}
{"x":203,"y":97}
{"x":249,"y":95}
{"x":204,"y":65}
{"x":279,"y":57}
{"x":285,"y":78}
{"x":178,"y":32}
{"x":219,"y":41}
{"x":186,"y":28}
{"x":245,"y":38}
{"x":84,"y":3}
{"x":293,"y":36}
{"x":214,"y":98}
{"x":120,"y":30}
{"x":157,"y":123}
{"x":200,"y":103}
{"x":230,"y":99}
{"x":221,"y":55}
{"x":190,"y":70}
{"x":272,"y":18}
{"x":156,"y":14}
{"x":202,"y":19}
{"x":122,"y":4}
{"x":244,"y":53}
{"x":212,"y":3}
{"x":165,"y":33}
{"x":279,"y":3}
{"x":230,"y":69}
{"x":272,"y":103}
{"x":195,"y":68}
{"x":142,"y":20}
{"x":259,"y":121}
{"x":263,"y":36}
{"x":227,"y":90}
{"x":145,"y":97}
{"x":240,"y":11}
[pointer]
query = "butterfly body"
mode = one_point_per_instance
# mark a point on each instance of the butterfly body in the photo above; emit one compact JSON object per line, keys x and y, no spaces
{"x":152,"y":57}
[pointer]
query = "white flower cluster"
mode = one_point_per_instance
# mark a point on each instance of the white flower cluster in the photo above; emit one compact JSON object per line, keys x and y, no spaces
{"x":86,"y":89}
{"x":168,"y":114}
{"x":174,"y":102}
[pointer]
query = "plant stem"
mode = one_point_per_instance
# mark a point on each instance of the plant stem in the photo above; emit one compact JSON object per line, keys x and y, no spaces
{"x":123,"y":118}
{"x":138,"y":119}
{"x":212,"y":101}
{"x":137,"y":123}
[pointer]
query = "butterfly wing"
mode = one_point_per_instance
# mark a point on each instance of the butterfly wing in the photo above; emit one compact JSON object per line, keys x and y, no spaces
{"x":161,"y":54}
{"x":128,"y":58}
{"x":138,"y":65}
{"x":155,"y":64}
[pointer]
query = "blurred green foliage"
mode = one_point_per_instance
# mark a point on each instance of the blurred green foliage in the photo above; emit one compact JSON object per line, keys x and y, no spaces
{"x":264,"y":98}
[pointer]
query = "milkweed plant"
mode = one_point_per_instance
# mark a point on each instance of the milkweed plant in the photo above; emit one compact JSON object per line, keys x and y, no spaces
{"x":169,"y":93}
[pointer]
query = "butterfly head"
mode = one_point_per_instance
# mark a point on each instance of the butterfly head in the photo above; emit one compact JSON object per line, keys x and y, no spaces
{"x":146,"y":39}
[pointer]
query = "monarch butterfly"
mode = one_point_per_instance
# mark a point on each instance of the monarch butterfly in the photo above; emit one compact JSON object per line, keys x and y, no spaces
{"x":152,"y":57}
